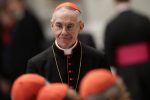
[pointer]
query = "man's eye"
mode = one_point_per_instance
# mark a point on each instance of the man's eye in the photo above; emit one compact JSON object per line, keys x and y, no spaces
{"x":70,"y":27}
{"x":59,"y":26}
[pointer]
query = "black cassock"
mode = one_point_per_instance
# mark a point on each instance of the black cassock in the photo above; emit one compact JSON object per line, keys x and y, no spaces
{"x":57,"y":67}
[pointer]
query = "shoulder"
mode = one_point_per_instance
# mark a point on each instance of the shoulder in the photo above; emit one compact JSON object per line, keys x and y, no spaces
{"x":37,"y":63}
{"x":90,"y":50}
{"x":41,"y":56}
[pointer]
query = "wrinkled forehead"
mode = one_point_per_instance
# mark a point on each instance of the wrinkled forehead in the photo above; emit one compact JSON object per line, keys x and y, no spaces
{"x":67,"y":10}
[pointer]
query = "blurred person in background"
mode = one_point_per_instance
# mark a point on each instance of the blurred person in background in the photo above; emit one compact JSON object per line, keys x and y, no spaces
{"x":127,"y":46}
{"x":68,"y":59}
{"x":21,"y":37}
{"x":57,"y":91}
{"x":27,"y":37}
{"x":101,"y":84}
{"x":6,"y":25}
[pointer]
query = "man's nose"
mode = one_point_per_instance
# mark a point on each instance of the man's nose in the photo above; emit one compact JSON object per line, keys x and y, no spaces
{"x":64,"y":31}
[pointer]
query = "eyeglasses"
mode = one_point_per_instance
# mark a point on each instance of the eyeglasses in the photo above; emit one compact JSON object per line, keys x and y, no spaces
{"x":68,"y":28}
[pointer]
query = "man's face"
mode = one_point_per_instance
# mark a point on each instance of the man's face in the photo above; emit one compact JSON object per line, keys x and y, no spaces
{"x":66,"y":27}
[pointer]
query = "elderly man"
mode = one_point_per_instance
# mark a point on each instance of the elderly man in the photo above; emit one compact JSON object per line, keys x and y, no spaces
{"x":67,"y":60}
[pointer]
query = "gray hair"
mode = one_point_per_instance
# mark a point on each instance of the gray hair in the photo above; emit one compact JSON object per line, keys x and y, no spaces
{"x":67,"y":8}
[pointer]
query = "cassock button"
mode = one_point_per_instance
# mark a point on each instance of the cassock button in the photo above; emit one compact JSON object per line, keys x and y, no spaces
{"x":70,"y":71}
{"x":71,"y":79}
{"x":69,"y":64}
{"x":68,"y":57}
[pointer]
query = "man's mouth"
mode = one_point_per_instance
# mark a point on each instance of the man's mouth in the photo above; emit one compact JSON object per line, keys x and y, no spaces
{"x":66,"y":38}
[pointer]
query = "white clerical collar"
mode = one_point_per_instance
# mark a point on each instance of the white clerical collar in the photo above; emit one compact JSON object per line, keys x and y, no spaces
{"x":66,"y":51}
{"x":121,"y":7}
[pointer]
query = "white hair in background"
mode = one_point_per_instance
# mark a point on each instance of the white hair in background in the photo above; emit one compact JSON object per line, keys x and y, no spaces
{"x":69,"y":9}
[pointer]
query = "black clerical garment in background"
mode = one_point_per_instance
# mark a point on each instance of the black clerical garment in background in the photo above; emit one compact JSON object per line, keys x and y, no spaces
{"x":127,"y":40}
{"x":68,"y":65}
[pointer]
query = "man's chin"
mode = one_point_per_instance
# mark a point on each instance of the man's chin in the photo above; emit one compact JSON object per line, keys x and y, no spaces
{"x":66,"y":46}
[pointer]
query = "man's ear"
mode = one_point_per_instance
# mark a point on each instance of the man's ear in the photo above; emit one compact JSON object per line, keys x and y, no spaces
{"x":81,"y":26}
{"x":51,"y":25}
